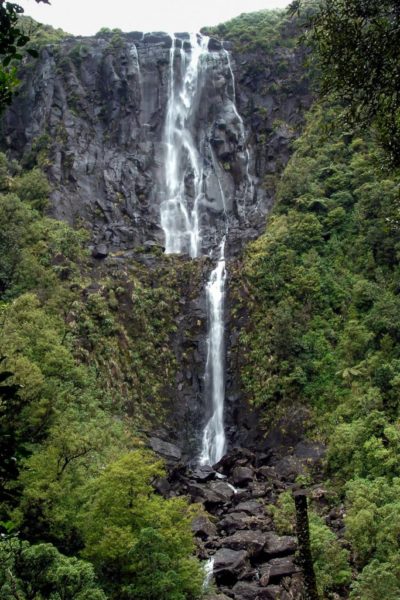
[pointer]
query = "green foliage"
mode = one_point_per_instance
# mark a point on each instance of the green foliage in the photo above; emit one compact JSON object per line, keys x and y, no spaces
{"x":253,"y":31}
{"x":372,"y":518}
{"x":342,"y":33}
{"x":322,"y":287}
{"x":40,"y":571}
{"x":378,"y":580}
{"x":331,"y":561}
{"x":33,"y":188}
{"x":149,"y":557}
{"x":84,"y":364}
{"x":13,"y":40}
{"x":283,"y":513}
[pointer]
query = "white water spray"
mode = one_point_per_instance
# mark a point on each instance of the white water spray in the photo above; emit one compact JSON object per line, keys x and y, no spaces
{"x":180,"y":212}
{"x":214,"y":441}
{"x":180,"y":222}
{"x":208,"y":573}
{"x":249,"y":180}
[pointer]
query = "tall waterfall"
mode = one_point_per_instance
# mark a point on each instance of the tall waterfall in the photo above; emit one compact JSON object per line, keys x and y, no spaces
{"x":180,"y":211}
{"x":179,"y":222}
{"x":214,"y":440}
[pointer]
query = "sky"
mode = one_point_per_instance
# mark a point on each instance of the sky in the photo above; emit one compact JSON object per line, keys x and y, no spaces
{"x":86,"y":17}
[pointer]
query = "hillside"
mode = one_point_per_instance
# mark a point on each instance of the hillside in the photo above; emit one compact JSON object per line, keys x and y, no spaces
{"x":199,"y":316}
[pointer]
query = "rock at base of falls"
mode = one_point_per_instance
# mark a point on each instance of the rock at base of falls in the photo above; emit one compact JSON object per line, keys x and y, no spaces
{"x":166,"y":449}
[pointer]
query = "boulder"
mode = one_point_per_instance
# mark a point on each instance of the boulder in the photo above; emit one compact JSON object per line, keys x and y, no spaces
{"x":278,"y":568}
{"x":100,"y":251}
{"x":252,"y":541}
{"x":267,"y":473}
{"x":244,"y":590}
{"x":251,"y":507}
{"x":228,"y":564}
{"x":202,"y":527}
{"x":238,"y":456}
{"x":223,"y":489}
{"x":234,"y":521}
{"x":166,"y":449}
{"x":162,"y":486}
{"x":276,"y":545}
{"x":242,"y":475}
{"x":203,"y":473}
{"x":203,"y":494}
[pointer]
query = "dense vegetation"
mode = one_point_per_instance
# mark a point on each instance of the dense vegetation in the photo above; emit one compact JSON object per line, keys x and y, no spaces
{"x":356,"y":47}
{"x":325,"y":330}
{"x":85,"y":361}
{"x":78,"y":512}
{"x":261,"y":30}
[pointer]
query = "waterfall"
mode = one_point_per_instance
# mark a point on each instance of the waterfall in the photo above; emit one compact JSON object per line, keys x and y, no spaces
{"x":180,"y":210}
{"x":179,"y":222}
{"x":214,"y":440}
{"x":208,"y":573}
{"x":249,"y":180}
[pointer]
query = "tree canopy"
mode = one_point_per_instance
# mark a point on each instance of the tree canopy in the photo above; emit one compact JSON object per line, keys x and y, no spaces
{"x":357,"y":47}
{"x":12,"y":40}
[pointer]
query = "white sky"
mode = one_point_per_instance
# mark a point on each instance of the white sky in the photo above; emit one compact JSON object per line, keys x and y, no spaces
{"x":86,"y":17}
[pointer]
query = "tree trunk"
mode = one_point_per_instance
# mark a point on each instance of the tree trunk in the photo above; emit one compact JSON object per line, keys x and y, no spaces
{"x":303,"y":537}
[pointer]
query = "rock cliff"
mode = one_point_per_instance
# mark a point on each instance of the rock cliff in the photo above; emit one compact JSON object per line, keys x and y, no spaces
{"x":92,"y":112}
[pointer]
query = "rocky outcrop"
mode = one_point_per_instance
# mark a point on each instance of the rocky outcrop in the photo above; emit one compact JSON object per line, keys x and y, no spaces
{"x":92,"y":112}
{"x":235,"y":532}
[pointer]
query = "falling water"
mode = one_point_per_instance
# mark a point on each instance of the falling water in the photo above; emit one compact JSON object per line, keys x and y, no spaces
{"x":249,"y":180}
{"x":208,"y":573}
{"x":180,"y":214}
{"x":214,"y":440}
{"x":179,"y":222}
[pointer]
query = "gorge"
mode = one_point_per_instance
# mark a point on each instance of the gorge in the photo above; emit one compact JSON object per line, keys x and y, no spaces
{"x":199,"y":322}
{"x":144,"y":144}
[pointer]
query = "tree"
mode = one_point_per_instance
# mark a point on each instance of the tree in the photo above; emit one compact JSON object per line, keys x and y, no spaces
{"x":12,"y":40}
{"x":40,"y":571}
{"x":139,"y":541}
{"x":357,"y":45}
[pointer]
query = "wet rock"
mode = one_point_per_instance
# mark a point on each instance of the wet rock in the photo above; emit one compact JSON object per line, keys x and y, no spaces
{"x":251,"y":507}
{"x":251,"y":541}
{"x":214,"y":44}
{"x":202,"y":527}
{"x":223,"y":489}
{"x":203,"y":473}
{"x":100,"y":251}
{"x":234,"y":521}
{"x":242,"y":475}
{"x":237,"y":456}
{"x":228,"y":564}
{"x":252,"y":591}
{"x":202,"y":494}
{"x":276,"y":545}
{"x":279,"y":567}
{"x":162,"y":486}
{"x":166,"y":449}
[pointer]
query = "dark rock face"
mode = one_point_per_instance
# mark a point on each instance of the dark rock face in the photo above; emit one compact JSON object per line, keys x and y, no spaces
{"x":92,"y":113}
{"x":95,"y":110}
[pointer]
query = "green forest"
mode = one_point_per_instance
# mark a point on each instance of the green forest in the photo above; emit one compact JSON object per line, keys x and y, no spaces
{"x":87,"y":368}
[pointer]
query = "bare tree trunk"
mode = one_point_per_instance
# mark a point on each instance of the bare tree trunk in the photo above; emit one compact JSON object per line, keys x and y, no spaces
{"x":303,"y":537}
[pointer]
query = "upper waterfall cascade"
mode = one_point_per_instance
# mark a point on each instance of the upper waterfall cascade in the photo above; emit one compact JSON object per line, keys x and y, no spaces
{"x":190,"y":164}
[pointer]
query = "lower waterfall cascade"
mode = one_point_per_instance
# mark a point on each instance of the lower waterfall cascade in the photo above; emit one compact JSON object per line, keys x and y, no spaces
{"x":214,"y":439}
{"x":181,"y":215}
